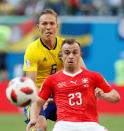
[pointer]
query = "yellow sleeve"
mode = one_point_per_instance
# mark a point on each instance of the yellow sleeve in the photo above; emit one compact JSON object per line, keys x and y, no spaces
{"x":30,"y":60}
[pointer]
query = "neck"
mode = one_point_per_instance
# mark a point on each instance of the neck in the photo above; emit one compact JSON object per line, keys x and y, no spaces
{"x":72,"y":70}
{"x":49,"y":43}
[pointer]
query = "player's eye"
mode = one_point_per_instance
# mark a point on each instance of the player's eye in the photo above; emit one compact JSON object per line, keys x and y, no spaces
{"x":75,"y":52}
{"x":44,"y":23}
{"x":67,"y":52}
{"x":52,"y":23}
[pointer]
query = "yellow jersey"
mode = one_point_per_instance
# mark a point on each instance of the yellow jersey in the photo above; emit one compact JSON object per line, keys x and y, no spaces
{"x":38,"y":57}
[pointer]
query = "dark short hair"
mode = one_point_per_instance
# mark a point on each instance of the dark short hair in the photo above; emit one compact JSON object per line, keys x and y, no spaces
{"x":47,"y":11}
{"x":70,"y":41}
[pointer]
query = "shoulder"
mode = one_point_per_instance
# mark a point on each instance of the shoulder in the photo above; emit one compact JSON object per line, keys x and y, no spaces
{"x":92,"y":73}
{"x":55,"y":76}
{"x":60,"y":39}
{"x":33,"y":45}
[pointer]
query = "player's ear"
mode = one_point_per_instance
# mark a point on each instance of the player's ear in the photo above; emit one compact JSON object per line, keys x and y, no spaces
{"x":60,"y":54}
{"x":57,"y":26}
{"x":62,"y":57}
{"x":37,"y":26}
{"x":81,"y":53}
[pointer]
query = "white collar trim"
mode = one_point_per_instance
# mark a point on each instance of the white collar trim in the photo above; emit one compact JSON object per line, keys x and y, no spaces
{"x":72,"y":75}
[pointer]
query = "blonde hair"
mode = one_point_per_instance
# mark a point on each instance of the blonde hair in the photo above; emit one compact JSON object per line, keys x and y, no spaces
{"x":48,"y":11}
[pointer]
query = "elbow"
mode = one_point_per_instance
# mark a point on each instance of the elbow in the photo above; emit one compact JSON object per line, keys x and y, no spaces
{"x":117,"y":99}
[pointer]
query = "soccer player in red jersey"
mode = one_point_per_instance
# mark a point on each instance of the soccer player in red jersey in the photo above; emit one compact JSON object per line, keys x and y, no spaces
{"x":73,"y":90}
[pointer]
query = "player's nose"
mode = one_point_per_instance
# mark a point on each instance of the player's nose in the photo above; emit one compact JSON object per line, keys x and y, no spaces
{"x":48,"y":26}
{"x":71,"y":55}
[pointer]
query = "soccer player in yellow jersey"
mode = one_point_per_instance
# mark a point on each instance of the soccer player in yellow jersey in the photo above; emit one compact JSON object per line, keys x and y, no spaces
{"x":42,"y":59}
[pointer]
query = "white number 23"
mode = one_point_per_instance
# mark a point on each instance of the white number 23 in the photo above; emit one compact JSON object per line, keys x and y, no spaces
{"x":73,"y":96}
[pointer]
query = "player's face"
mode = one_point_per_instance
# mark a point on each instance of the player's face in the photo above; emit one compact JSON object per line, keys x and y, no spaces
{"x":71,"y":55}
{"x":48,"y":26}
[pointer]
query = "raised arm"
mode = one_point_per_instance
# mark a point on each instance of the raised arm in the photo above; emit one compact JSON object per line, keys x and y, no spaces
{"x":112,"y":96}
{"x":34,"y":112}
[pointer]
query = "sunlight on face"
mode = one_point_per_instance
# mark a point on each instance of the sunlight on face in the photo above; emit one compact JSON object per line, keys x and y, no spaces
{"x":71,"y":55}
{"x":48,"y":26}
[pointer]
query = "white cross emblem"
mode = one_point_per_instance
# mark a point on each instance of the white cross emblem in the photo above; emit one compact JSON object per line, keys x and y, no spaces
{"x":85,"y":80}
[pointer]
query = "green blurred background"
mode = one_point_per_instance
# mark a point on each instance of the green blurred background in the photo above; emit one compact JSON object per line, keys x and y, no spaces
{"x":15,"y":122}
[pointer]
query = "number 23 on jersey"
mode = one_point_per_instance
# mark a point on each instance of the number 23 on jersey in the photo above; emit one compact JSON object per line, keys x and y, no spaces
{"x":74,"y":96}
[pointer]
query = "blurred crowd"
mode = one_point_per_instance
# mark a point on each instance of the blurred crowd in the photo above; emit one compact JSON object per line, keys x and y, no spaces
{"x":63,"y":7}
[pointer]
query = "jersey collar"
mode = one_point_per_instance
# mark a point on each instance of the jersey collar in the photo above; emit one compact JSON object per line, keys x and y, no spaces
{"x":46,"y":46}
{"x":72,"y":75}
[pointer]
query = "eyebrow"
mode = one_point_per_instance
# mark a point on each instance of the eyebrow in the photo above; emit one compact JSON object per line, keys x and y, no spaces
{"x":69,"y":50}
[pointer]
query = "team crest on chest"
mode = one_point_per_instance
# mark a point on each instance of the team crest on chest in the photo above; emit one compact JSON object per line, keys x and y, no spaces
{"x":85,"y":82}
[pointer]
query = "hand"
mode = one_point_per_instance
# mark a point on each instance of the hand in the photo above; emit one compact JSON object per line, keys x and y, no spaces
{"x":31,"y":124}
{"x":99,"y":92}
{"x":50,"y":100}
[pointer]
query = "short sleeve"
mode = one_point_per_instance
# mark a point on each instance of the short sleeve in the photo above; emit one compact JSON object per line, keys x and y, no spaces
{"x":46,"y":89}
{"x":102,"y":83}
{"x":30,"y":60}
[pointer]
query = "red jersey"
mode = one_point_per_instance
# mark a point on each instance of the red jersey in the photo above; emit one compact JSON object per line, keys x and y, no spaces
{"x":74,"y":94}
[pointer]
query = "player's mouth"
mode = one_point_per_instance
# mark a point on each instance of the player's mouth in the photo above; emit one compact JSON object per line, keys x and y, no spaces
{"x":70,"y":62}
{"x":48,"y":33}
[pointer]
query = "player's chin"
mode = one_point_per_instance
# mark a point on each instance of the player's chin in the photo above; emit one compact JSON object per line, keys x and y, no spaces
{"x":49,"y":36}
{"x":71,"y":65}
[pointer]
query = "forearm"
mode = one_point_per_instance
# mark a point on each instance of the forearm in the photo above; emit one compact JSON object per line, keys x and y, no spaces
{"x":35,"y":108}
{"x":111,"y":97}
{"x":32,"y":75}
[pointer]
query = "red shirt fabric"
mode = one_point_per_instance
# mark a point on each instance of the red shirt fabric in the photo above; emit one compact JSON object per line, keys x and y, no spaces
{"x":74,"y":95}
